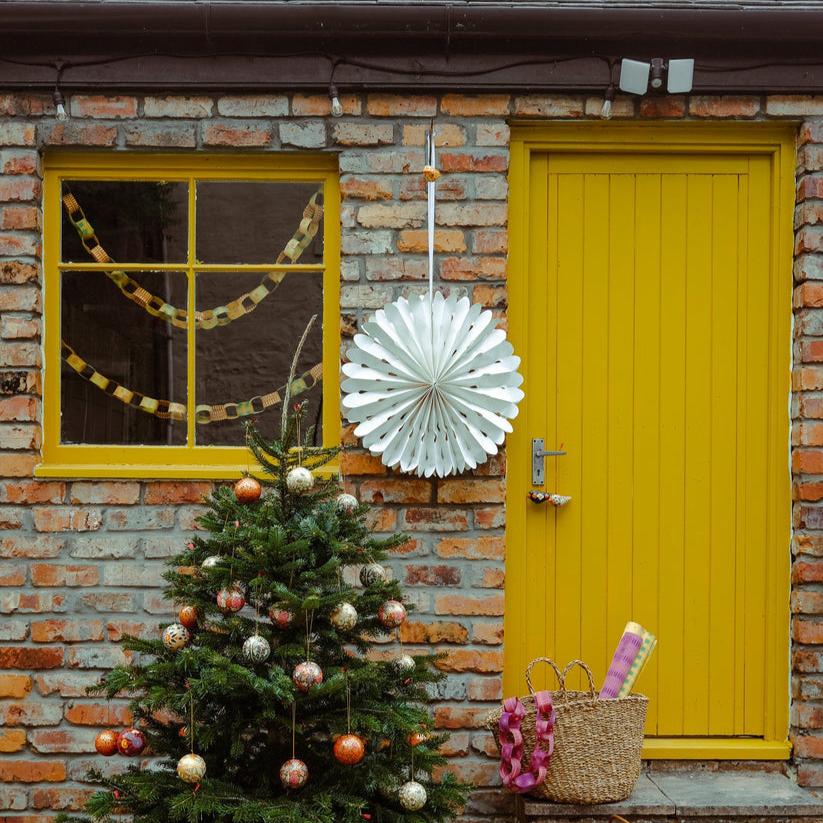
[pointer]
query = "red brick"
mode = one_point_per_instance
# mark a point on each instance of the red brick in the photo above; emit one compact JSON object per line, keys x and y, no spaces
{"x":445,"y":240}
{"x":807,"y":602}
{"x":98,"y":714}
{"x":66,"y":631}
{"x":171,"y":493}
{"x":402,"y":490}
{"x":160,"y":135}
{"x":472,"y":548}
{"x":474,"y":490}
{"x":724,"y":106}
{"x":319,"y":105}
{"x":103,"y":107}
{"x":403,"y":105}
{"x":473,"y":160}
{"x":63,"y":741}
{"x":20,"y":217}
{"x":15,"y":272}
{"x":445,"y":134}
{"x":12,"y":740}
{"x":15,"y":576}
{"x":808,"y":491}
{"x":669,"y":105}
{"x":32,"y":771}
{"x":811,"y":185}
{"x":493,"y":517}
{"x":105,"y":492}
{"x":17,"y":134}
{"x":66,"y":519}
{"x":360,"y":463}
{"x":454,"y":717}
{"x":485,"y":688}
{"x":21,"y":657}
{"x":807,"y":631}
{"x":492,"y":297}
{"x":235,"y":135}
{"x":491,"y":578}
{"x":490,"y":241}
{"x":364,"y":188}
{"x":38,"y":547}
{"x":471,"y":660}
{"x":808,"y":746}
{"x":809,"y":461}
{"x":473,"y":268}
{"x":435,"y":520}
{"x":476,"y":105}
{"x":469,"y":604}
{"x":19,"y":189}
{"x":178,"y":106}
{"x":794,"y":105}
{"x":31,"y":713}
{"x":437,"y":632}
{"x":20,"y":104}
{"x":552,"y":105}
{"x":811,"y":351}
{"x":432,"y":575}
{"x":70,"y":799}
{"x":15,"y":685}
{"x":80,"y":134}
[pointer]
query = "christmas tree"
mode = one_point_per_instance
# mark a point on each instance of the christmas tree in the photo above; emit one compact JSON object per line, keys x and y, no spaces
{"x":275,"y":697}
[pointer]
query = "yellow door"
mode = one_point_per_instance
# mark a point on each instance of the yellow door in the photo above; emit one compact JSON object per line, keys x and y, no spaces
{"x":650,"y":298}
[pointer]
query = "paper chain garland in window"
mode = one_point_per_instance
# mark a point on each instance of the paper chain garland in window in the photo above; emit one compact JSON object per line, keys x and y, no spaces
{"x":220,"y":316}
{"x":211,"y":318}
{"x":167,"y":410}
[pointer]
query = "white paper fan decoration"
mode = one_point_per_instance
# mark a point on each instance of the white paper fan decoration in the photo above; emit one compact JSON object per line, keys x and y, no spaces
{"x":432,"y":384}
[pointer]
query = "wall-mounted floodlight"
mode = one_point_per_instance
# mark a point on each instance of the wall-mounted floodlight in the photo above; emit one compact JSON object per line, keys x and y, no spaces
{"x":636,"y":76}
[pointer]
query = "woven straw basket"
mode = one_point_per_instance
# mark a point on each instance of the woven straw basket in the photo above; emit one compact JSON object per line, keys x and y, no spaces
{"x":597,"y":743}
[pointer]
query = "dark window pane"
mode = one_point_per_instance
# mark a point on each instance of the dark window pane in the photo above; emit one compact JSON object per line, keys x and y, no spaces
{"x":121,"y":342}
{"x":135,"y":222}
{"x":251,"y":222}
{"x":251,"y":356}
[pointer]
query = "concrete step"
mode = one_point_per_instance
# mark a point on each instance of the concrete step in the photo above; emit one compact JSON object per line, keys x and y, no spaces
{"x":693,"y":797}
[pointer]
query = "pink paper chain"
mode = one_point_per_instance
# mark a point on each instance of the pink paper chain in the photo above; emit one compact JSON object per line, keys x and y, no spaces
{"x":511,"y":742}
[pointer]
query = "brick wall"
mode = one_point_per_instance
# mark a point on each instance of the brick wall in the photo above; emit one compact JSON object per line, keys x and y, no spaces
{"x":80,"y":560}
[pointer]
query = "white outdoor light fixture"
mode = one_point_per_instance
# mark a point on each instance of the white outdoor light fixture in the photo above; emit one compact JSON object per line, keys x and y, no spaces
{"x":636,"y":76}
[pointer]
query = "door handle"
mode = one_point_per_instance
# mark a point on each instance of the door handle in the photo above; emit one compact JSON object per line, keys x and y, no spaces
{"x":539,"y":454}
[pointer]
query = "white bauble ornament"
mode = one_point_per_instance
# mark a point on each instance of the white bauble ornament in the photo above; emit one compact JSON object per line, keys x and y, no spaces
{"x":432,"y":385}
{"x":211,"y":562}
{"x":306,"y":675}
{"x":299,"y":480}
{"x":175,"y":637}
{"x":412,"y":796}
{"x":373,"y":573}
{"x":294,"y":774}
{"x":346,"y":502}
{"x":191,"y":768}
{"x":343,"y":617}
{"x":256,"y":649}
{"x":404,"y":663}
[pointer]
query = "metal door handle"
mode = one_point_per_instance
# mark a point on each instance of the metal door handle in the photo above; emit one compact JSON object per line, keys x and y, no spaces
{"x":538,"y":456}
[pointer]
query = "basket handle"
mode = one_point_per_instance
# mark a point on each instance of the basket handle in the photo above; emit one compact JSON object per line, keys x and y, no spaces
{"x":587,"y":671}
{"x":560,"y":679}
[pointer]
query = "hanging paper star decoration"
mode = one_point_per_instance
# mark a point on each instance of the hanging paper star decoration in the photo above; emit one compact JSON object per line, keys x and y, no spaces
{"x":432,"y":385}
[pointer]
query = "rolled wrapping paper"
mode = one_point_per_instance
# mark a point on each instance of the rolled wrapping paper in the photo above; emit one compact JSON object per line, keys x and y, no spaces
{"x":643,"y":654}
{"x":624,"y":657}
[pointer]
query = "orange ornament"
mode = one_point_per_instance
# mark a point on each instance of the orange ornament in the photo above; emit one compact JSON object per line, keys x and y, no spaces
{"x":416,"y":738}
{"x":349,"y":749}
{"x":247,"y":490}
{"x":106,"y":742}
{"x":188,"y":617}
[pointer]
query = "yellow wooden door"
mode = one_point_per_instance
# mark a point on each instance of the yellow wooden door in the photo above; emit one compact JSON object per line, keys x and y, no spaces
{"x":651,"y":302}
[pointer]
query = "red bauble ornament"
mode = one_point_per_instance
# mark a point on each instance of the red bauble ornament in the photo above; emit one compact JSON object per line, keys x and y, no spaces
{"x":131,"y":742}
{"x":188,"y":617}
{"x":247,"y":490}
{"x":294,"y":774}
{"x":349,"y":749}
{"x":391,"y":614}
{"x":306,"y":675}
{"x":282,"y":618}
{"x":106,"y":742}
{"x":231,"y":599}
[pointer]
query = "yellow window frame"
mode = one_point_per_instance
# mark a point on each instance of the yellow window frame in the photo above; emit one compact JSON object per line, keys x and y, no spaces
{"x":190,"y":461}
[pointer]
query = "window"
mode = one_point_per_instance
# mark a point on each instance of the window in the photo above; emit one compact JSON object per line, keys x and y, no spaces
{"x":176,"y":291}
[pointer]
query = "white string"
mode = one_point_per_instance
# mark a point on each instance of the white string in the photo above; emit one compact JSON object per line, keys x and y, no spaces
{"x":430,"y":191}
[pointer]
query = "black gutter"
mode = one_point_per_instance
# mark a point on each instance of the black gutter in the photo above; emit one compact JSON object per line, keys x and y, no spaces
{"x":234,"y":44}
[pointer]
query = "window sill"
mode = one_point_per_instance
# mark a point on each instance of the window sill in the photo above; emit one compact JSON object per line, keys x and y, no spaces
{"x":158,"y":472}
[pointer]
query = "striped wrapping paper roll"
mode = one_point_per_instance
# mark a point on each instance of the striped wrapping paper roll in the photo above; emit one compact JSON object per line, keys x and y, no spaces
{"x":643,"y":654}
{"x":624,"y":657}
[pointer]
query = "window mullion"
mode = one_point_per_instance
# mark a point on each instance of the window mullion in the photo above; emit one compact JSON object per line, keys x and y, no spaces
{"x":190,"y":328}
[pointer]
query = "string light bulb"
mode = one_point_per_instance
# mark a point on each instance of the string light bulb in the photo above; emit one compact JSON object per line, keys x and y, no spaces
{"x":606,"y":110}
{"x":59,"y":104}
{"x":336,"y":105}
